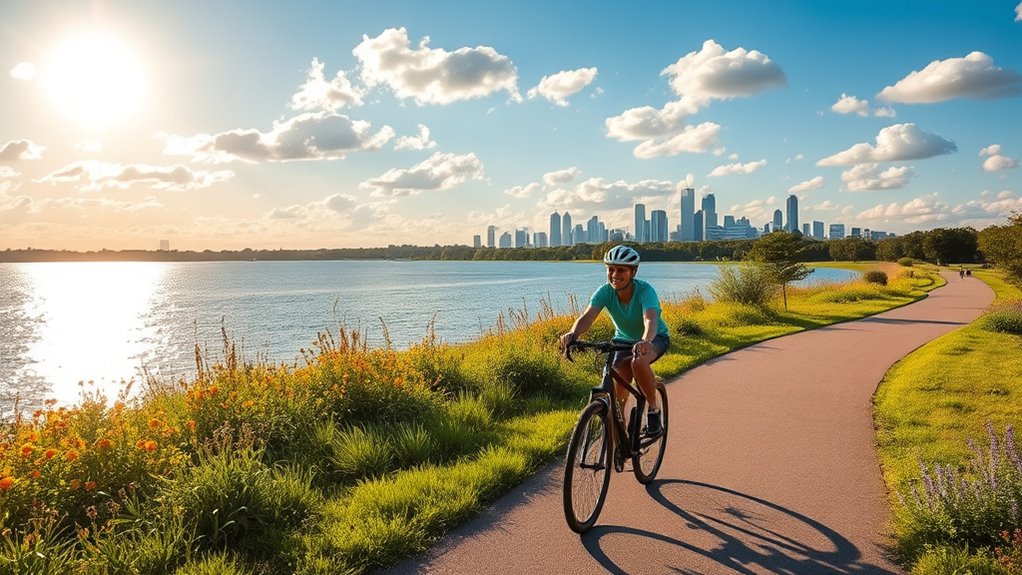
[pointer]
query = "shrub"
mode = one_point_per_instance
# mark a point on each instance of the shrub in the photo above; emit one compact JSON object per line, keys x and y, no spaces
{"x":358,"y":452}
{"x":745,"y":284}
{"x":967,"y":508}
{"x":1007,"y":320}
{"x":906,"y":262}
{"x":875,"y":277}
{"x":214,"y":564}
{"x":689,"y":327}
{"x":945,"y":560}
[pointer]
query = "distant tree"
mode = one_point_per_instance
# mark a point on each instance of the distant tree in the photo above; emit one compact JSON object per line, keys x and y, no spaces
{"x":1002,"y":246}
{"x":852,"y":249}
{"x":780,"y":255}
{"x":950,"y":245}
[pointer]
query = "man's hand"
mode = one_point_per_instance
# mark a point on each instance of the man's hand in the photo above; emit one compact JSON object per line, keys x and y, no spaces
{"x":642,"y":347}
{"x":566,"y":339}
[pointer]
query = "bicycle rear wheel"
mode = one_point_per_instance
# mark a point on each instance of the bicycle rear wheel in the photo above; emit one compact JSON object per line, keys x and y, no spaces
{"x":587,"y":467}
{"x":646,"y":463}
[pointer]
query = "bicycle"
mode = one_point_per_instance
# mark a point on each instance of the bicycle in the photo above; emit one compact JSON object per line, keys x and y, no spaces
{"x":588,"y":462}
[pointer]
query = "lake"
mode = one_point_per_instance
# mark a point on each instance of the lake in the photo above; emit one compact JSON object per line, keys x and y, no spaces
{"x":68,"y":322}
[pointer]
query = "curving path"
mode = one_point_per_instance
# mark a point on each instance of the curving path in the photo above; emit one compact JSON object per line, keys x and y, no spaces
{"x":771,"y":467}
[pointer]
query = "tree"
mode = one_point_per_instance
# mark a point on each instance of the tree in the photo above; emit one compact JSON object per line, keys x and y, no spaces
{"x":1002,"y":245}
{"x":780,"y":255}
{"x":950,"y":245}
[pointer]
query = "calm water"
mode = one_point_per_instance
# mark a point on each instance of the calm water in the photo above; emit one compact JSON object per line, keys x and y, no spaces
{"x":62,"y":323}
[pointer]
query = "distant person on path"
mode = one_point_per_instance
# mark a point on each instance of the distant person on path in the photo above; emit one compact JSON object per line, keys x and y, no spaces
{"x":968,"y":272}
{"x":634,"y":308}
{"x":961,"y":273}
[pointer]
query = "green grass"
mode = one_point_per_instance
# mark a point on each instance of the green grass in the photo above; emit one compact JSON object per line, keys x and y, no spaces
{"x":348,"y":463}
{"x":933,"y":401}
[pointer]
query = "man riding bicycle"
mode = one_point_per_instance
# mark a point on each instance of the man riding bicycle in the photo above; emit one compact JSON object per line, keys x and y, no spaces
{"x":634,"y":308}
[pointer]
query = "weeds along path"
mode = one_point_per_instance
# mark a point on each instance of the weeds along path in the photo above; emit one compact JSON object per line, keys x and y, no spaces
{"x":770,"y":467}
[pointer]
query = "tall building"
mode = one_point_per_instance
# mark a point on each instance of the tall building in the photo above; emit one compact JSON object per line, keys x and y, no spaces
{"x":778,"y":223}
{"x":566,"y":238}
{"x":640,"y":223}
{"x":698,"y":225}
{"x":792,"y":214}
{"x":593,"y":231}
{"x":817,"y":230}
{"x":521,"y":237}
{"x":164,"y":245}
{"x":539,"y":238}
{"x":708,"y":206}
{"x":555,"y":229}
{"x":688,"y":210}
{"x":579,"y":235}
{"x":505,"y":240}
{"x":805,"y":229}
{"x":837,"y":232}
{"x":491,"y":236}
{"x":658,"y":226}
{"x":856,"y":233}
{"x":477,"y":241}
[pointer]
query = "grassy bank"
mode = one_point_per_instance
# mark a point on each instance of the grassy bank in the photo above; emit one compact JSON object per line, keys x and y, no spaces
{"x":350,"y":462}
{"x":943,"y":418}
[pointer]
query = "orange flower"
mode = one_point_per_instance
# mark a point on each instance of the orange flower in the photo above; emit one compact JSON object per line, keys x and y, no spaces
{"x":6,"y":483}
{"x":27,"y":449}
{"x":155,"y":423}
{"x":34,"y":474}
{"x":75,"y":484}
{"x":50,"y":453}
{"x":71,"y":455}
{"x":90,"y":485}
{"x":104,"y":443}
{"x":191,"y":425}
{"x":150,"y":446}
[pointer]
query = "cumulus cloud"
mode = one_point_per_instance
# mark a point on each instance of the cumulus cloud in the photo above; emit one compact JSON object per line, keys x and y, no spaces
{"x":995,"y":161}
{"x":20,"y":150}
{"x":737,"y":168}
{"x":807,"y":186}
{"x":851,"y":105}
{"x":318,"y":94}
{"x":558,"y":87}
{"x":336,"y":203}
{"x":309,"y":136}
{"x":521,"y":192}
{"x":974,"y":76}
{"x":439,"y":172}
{"x":23,"y":71}
{"x":1018,"y":12}
{"x":865,"y":177}
{"x":561,"y":177}
{"x":433,"y":76}
{"x":8,"y":173}
{"x":597,"y":193}
{"x":93,"y":175}
{"x":895,"y":143}
{"x":697,"y":79}
{"x":421,"y":141}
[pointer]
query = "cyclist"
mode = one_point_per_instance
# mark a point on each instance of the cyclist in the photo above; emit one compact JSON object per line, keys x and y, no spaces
{"x":634,"y":308}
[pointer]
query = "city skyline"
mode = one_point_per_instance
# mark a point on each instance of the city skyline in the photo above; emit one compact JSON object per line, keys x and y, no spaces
{"x":332,"y":124}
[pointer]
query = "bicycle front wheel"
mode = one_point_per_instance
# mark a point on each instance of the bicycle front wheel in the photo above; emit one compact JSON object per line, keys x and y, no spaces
{"x":587,"y":467}
{"x":646,"y":462}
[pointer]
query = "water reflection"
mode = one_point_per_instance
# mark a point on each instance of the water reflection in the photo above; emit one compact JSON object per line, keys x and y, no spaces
{"x":80,"y":321}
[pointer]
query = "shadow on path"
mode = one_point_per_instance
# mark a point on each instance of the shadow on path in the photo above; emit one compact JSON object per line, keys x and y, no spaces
{"x":736,"y":533}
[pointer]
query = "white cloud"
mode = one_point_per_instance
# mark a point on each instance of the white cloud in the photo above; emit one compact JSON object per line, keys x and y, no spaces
{"x":737,"y":168}
{"x":697,"y":79}
{"x":89,"y":146}
{"x":807,"y":186}
{"x":996,"y":162}
{"x":561,"y":177}
{"x":1018,"y":12}
{"x":318,"y":94}
{"x":595,"y":193}
{"x":420,"y":142}
{"x":893,"y":144}
{"x":23,"y":71}
{"x":865,"y":177}
{"x":309,"y":136}
{"x":851,"y":105}
{"x":885,"y":112}
{"x":8,"y":173}
{"x":989,"y":209}
{"x":521,"y":192}
{"x":92,"y":176}
{"x":558,"y":87}
{"x":331,"y":205}
{"x":20,"y":150}
{"x":433,"y":76}
{"x":974,"y":76}
{"x":439,"y":172}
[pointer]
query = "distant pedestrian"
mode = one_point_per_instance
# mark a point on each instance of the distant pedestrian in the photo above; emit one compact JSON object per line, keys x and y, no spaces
{"x":961,"y":273}
{"x":968,"y":272}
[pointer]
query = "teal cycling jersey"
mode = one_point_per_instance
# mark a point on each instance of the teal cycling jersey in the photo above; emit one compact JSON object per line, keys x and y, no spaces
{"x":627,"y":319}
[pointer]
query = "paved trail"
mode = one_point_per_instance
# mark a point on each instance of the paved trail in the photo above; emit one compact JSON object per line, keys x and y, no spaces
{"x":771,"y":467}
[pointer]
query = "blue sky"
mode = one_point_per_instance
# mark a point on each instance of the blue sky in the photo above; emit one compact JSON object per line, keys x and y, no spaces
{"x":225,"y":125}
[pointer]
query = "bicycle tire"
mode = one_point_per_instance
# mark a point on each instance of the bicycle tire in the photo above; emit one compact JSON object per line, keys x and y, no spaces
{"x":587,"y":467}
{"x":650,"y":455}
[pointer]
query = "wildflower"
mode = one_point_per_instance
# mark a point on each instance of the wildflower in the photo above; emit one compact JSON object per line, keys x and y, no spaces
{"x":50,"y":453}
{"x":191,"y":425}
{"x":104,"y":443}
{"x":34,"y":474}
{"x":91,"y":512}
{"x":150,"y":446}
{"x":75,"y":484}
{"x":6,"y":483}
{"x":27,"y":449}
{"x":90,"y":485}
{"x":155,"y":423}
{"x":71,"y":455}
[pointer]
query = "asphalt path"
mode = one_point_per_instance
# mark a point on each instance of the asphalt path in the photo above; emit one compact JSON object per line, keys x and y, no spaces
{"x":771,"y":467}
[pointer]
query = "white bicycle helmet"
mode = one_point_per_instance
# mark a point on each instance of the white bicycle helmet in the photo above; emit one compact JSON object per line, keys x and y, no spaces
{"x":621,"y":256}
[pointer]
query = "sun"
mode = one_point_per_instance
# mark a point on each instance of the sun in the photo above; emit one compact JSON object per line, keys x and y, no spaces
{"x":95,"y":78}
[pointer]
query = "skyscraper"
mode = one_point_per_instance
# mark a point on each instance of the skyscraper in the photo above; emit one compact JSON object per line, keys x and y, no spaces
{"x":566,"y":238}
{"x":491,"y":236}
{"x":817,"y":230}
{"x":792,"y":214}
{"x":555,"y":229}
{"x":658,"y":226}
{"x":836,"y":232}
{"x":477,"y":241}
{"x":579,"y":235}
{"x":593,"y":231}
{"x":688,"y":210}
{"x":709,"y":206}
{"x":698,"y":225}
{"x":640,"y":223}
{"x":778,"y":223}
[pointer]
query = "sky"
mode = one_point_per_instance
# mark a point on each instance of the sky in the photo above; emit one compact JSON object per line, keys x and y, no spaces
{"x":301,"y":125}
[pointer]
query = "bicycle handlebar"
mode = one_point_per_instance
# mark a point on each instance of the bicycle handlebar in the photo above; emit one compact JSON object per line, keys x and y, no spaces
{"x":600,"y":346}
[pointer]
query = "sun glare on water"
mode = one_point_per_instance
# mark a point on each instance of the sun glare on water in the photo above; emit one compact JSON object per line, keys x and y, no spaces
{"x":95,"y":78}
